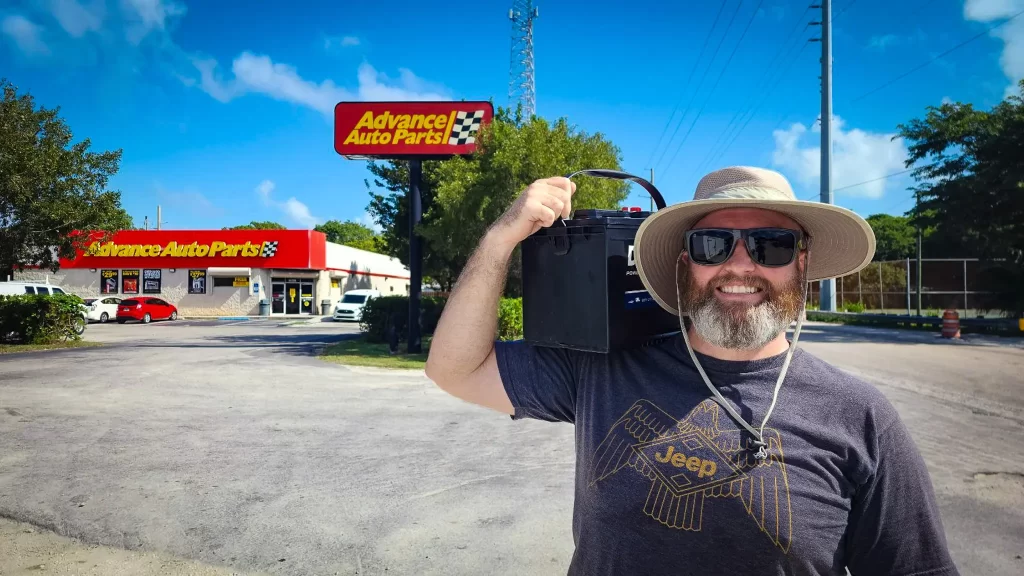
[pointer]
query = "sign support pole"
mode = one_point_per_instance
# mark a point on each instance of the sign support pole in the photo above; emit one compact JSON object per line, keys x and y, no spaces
{"x":415,"y":254}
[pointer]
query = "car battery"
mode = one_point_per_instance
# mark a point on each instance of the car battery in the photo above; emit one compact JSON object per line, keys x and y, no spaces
{"x":581,"y":288}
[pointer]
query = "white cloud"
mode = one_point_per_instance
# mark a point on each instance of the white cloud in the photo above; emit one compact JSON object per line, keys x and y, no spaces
{"x":264,"y":190}
{"x":144,"y":16}
{"x":342,"y":41}
{"x":883,"y":41}
{"x":857,"y":156}
{"x":1012,"y":34}
{"x":375,"y":85}
{"x":367,"y":220}
{"x":259,"y":74}
{"x":189,"y":200}
{"x":282,"y":82}
{"x":294,"y":210}
{"x":985,"y":10}
{"x":947,"y":100}
{"x":25,"y":34}
{"x":75,"y":18}
{"x":299,"y":213}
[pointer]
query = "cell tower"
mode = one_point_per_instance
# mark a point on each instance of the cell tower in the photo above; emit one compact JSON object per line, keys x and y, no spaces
{"x":520,"y":82}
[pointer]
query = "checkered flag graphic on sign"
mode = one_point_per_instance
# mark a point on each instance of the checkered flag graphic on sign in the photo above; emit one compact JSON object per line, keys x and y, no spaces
{"x":465,"y":127}
{"x":269,"y":248}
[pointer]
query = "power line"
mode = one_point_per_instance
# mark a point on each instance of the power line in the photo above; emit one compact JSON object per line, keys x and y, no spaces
{"x":714,"y":157}
{"x":739,"y":42}
{"x":944,"y":54}
{"x":761,"y":86}
{"x":687,"y":83}
{"x":699,"y":84}
{"x":886,"y":177}
{"x":843,"y":11}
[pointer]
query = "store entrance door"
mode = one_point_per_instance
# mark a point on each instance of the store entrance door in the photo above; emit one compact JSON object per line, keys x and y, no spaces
{"x":292,"y":299}
{"x":293,"y":296}
{"x":306,"y":293}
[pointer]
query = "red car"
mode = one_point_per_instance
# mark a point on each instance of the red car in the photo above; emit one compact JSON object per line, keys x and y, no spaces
{"x":145,"y":310}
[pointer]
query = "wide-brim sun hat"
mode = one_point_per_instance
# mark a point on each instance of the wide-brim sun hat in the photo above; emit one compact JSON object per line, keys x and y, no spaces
{"x":841,"y":242}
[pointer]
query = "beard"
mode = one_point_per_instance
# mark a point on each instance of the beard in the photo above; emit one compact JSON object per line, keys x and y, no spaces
{"x":740,"y":326}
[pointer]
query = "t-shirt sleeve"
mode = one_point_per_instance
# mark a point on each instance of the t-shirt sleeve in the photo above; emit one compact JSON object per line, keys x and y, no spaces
{"x":540,"y":381}
{"x":895,"y":528}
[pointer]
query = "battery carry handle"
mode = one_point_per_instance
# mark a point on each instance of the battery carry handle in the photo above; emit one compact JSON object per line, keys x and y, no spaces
{"x":659,"y":201}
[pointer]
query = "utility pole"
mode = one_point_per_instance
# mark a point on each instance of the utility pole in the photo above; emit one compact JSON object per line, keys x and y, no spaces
{"x":146,"y":222}
{"x":652,"y":182}
{"x":158,"y":218}
{"x":917,"y":215}
{"x":828,"y":286}
{"x":414,"y":344}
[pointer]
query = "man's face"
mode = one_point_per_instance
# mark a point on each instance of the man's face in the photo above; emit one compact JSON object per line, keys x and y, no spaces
{"x":739,"y":304}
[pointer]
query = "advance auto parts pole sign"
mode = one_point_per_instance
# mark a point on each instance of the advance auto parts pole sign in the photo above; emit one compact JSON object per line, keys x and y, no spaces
{"x":396,"y":130}
{"x":413,"y":131}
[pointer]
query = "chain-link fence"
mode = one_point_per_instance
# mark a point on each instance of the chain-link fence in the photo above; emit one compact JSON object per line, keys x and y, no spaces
{"x":891,"y":288}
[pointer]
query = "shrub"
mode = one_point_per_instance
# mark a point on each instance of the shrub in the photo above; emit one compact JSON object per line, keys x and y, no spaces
{"x":510,"y":319}
{"x":38,"y":319}
{"x":854,"y":307}
{"x":379,"y":313}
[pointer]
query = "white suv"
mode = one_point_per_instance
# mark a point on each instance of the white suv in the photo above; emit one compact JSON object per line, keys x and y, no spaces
{"x":351,"y":306}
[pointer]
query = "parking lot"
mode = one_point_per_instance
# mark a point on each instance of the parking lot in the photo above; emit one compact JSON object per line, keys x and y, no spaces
{"x":231,"y":444}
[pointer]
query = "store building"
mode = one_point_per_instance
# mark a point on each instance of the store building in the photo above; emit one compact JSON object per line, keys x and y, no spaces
{"x":226,"y":272}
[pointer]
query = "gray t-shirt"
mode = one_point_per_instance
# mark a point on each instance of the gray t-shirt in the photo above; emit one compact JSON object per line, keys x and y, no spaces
{"x":664,"y":486}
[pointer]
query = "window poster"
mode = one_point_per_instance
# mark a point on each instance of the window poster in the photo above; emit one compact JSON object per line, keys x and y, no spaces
{"x":197,"y":281}
{"x":108,"y":281}
{"x":151,"y":281}
{"x":129,"y":281}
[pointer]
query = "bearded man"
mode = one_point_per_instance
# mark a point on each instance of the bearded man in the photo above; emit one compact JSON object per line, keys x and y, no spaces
{"x":723,"y":450}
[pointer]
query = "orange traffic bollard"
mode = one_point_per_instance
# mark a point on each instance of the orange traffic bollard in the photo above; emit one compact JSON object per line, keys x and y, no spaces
{"x":950,"y":324}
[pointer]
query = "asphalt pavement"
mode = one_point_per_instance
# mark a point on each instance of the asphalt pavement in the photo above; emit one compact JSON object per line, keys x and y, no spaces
{"x":231,"y":444}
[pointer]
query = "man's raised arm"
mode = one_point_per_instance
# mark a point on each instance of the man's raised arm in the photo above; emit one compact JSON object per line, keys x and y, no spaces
{"x":461,"y":360}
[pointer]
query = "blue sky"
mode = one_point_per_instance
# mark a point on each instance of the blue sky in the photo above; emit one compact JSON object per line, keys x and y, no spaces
{"x":223,"y":108}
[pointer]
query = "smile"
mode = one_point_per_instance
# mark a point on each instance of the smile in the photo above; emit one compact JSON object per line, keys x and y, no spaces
{"x":739,"y":289}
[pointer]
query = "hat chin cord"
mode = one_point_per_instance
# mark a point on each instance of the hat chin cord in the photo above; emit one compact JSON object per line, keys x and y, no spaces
{"x":758,"y":435}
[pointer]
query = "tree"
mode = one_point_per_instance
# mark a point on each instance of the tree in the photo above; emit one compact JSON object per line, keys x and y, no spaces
{"x":51,"y":190}
{"x":895,"y":236}
{"x":351,"y":234}
{"x":972,"y":188}
{"x":462,"y":197}
{"x":258,"y":225}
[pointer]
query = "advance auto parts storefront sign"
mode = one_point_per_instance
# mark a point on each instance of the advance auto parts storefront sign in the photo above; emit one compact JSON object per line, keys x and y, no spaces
{"x":302,"y":249}
{"x":408,"y":129}
{"x":175,"y":250}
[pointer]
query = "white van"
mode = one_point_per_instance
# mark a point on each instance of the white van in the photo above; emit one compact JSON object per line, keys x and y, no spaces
{"x":16,"y":288}
{"x":351,"y":306}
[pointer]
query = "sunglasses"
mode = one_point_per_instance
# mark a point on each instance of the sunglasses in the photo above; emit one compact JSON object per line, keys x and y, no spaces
{"x":768,"y":247}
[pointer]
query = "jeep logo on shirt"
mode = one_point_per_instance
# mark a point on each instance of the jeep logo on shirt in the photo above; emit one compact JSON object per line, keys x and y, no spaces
{"x":688,"y":462}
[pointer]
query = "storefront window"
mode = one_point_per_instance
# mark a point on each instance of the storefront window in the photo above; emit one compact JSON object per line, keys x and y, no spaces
{"x":223,"y":282}
{"x":108,"y":281}
{"x":197,"y":281}
{"x":129,"y":281}
{"x":151,"y":281}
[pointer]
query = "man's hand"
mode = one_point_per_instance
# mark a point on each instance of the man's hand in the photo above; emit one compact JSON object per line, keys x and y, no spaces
{"x":538,"y":206}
